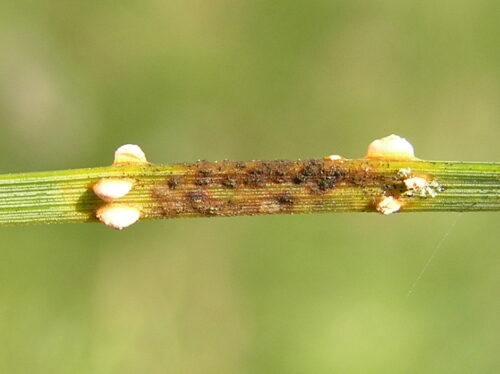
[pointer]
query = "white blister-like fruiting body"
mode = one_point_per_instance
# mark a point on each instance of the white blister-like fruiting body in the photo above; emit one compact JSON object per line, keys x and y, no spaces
{"x":416,"y":184}
{"x":421,"y":187}
{"x":388,"y":205}
{"x":117,"y":216}
{"x":333,"y":158}
{"x":110,"y":189}
{"x":129,"y":154}
{"x":404,"y":172}
{"x":392,"y":147}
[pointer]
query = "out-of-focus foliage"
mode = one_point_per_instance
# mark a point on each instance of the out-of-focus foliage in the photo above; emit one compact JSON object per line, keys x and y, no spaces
{"x":197,"y":79}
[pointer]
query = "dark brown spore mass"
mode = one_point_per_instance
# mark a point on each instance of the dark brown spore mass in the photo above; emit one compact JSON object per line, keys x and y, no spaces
{"x":230,"y":188}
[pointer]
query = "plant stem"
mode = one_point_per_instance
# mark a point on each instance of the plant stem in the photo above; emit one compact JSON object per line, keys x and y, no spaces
{"x":231,"y":188}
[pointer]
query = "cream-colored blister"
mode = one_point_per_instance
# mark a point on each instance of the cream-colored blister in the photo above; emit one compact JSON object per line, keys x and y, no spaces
{"x":392,"y":147}
{"x":110,"y":189}
{"x":388,"y":205}
{"x":129,"y":154}
{"x":117,"y":216}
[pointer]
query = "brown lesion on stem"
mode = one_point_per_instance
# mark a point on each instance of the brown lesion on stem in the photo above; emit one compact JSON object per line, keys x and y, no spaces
{"x":231,"y":188}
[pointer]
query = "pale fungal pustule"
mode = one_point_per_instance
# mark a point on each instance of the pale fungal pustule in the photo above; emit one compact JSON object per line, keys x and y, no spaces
{"x":392,"y":147}
{"x":421,"y":187}
{"x":110,"y":189}
{"x":129,"y":154}
{"x":388,"y":205}
{"x":333,"y":158}
{"x":404,"y":172}
{"x":117,"y":216}
{"x":417,"y":185}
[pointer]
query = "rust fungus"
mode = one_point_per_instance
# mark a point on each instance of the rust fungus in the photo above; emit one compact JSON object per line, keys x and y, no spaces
{"x":174,"y":182}
{"x":230,"y":188}
{"x":285,"y":201}
{"x":229,"y":182}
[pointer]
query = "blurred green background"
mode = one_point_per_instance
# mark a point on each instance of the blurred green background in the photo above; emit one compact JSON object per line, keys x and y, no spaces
{"x":198,"y":79}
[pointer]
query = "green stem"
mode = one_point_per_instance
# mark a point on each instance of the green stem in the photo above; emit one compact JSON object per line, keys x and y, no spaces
{"x":231,"y":188}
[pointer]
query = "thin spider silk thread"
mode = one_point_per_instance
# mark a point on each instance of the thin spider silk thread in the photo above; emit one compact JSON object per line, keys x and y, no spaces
{"x":432,"y":256}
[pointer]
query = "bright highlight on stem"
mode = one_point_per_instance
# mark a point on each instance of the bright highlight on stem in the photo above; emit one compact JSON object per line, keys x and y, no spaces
{"x":390,"y":179}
